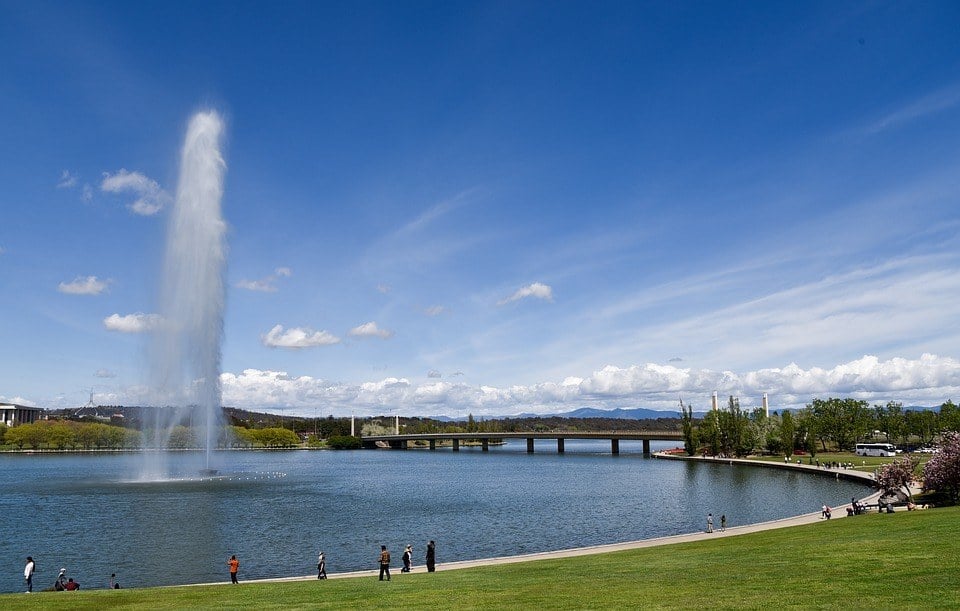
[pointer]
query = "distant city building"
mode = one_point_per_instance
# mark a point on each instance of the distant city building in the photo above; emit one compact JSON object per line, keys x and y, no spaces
{"x":12,"y":415}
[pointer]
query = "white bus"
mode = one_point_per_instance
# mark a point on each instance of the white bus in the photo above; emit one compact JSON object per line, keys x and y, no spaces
{"x":876,"y":449}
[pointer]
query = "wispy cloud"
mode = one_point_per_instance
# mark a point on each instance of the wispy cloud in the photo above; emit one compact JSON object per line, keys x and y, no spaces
{"x":67,"y":180}
{"x":267,"y":284}
{"x":104,"y":373}
{"x":150,"y":197}
{"x":434,"y":310}
{"x":536,"y":290}
{"x":84,"y":285}
{"x":132,"y":323}
{"x":370,"y":329}
{"x":930,"y":104}
{"x":297,"y":337}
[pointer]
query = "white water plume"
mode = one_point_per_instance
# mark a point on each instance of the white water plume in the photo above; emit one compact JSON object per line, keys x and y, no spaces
{"x":185,"y":356}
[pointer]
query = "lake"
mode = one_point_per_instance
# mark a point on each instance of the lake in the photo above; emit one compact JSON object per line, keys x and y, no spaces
{"x":280,"y":508}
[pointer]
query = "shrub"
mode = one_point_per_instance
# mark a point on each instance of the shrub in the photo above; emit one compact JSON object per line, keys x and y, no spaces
{"x":343,"y":442}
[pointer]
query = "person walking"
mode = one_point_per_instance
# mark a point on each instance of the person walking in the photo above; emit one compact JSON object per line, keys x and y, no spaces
{"x":709,"y":522}
{"x":723,"y":522}
{"x":234,"y":565}
{"x":431,"y":556}
{"x":384,"y":562}
{"x":321,"y":567}
{"x":28,"y":571}
{"x":407,"y":559}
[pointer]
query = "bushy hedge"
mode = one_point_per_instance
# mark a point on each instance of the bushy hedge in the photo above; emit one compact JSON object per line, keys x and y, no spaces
{"x":343,"y":442}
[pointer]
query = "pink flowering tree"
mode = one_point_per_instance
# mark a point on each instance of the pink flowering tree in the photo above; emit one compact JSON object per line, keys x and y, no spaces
{"x":942,"y":471}
{"x":896,"y":476}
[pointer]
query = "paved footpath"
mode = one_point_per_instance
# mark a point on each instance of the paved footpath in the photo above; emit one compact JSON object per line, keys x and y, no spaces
{"x":807,"y":518}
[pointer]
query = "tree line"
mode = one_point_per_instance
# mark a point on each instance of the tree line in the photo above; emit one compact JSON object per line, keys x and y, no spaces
{"x":823,"y":425}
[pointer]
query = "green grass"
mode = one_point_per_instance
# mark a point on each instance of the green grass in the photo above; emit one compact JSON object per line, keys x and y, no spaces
{"x":904,"y":560}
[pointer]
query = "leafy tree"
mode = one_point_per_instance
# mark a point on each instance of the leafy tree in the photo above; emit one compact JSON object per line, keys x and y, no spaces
{"x":788,"y":432}
{"x":60,"y":436}
{"x":710,"y":432}
{"x":691,"y":436}
{"x":949,"y":418}
{"x":922,"y":424}
{"x":942,"y":471}
{"x":896,"y":476}
{"x":841,"y":421}
{"x":3,"y":433}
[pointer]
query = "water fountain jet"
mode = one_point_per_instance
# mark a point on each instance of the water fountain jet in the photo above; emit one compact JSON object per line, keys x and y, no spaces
{"x":185,"y":354}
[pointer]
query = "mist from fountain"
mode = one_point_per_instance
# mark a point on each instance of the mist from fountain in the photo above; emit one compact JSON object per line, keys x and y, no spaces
{"x":185,"y":352}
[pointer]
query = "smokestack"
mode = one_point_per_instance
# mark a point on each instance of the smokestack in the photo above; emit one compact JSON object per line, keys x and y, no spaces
{"x":714,"y":403}
{"x":766,"y":406}
{"x":397,"y":426}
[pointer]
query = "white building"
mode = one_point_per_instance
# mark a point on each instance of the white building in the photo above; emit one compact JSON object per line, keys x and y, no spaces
{"x":12,"y":415}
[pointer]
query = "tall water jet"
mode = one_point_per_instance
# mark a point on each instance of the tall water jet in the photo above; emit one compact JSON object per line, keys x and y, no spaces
{"x":185,"y":355}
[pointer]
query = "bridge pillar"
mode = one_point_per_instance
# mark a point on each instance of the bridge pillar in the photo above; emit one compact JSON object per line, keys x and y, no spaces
{"x":485,"y":444}
{"x":614,"y":446}
{"x":433,"y":444}
{"x":529,"y":445}
{"x":456,"y":445}
{"x":646,"y":446}
{"x":560,"y":446}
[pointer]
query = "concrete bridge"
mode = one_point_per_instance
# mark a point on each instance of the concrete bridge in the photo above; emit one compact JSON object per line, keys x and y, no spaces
{"x":400,"y":442}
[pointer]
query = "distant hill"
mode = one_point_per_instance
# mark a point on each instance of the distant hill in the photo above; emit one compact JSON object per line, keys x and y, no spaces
{"x":636,"y":413}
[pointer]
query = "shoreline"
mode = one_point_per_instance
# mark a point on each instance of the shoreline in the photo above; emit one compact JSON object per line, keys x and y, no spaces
{"x":805,"y":518}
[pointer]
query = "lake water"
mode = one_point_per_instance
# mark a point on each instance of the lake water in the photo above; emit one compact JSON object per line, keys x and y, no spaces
{"x":83,"y":513}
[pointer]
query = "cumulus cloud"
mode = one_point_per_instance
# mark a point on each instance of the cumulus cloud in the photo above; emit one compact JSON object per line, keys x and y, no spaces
{"x":84,"y":285}
{"x":150,"y":197}
{"x":370,"y":329}
{"x":928,"y":380}
{"x":297,"y":337}
{"x":67,"y":180}
{"x":433,"y":373}
{"x":536,"y":290}
{"x":267,"y":284}
{"x":132,"y":323}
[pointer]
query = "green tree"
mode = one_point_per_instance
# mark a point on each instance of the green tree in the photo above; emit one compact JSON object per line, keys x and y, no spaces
{"x":61,"y":436}
{"x":788,"y":433}
{"x":691,"y":436}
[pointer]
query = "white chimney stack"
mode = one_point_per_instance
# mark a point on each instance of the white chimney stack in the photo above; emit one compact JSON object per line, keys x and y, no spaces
{"x":714,"y":403}
{"x":766,"y":406}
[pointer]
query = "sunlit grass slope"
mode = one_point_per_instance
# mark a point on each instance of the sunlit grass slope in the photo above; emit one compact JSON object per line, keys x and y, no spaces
{"x":904,"y":560}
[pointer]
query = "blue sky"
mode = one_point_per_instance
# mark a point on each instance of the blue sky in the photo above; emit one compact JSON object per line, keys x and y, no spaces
{"x":492,"y":207}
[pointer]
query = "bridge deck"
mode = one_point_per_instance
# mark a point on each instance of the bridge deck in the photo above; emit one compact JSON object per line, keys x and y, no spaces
{"x":615,"y":437}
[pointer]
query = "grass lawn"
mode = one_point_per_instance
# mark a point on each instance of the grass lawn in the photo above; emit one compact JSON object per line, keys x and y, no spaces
{"x":879,"y":561}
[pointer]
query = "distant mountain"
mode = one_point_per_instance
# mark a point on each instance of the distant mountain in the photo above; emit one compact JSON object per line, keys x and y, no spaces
{"x":637,"y":413}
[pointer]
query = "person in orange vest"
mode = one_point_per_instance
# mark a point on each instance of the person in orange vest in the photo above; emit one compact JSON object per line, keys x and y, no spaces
{"x":234,"y":565}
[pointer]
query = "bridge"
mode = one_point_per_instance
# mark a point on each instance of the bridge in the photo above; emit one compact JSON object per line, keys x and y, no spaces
{"x":400,"y":442}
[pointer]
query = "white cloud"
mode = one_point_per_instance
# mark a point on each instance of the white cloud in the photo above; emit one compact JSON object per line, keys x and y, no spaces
{"x":104,"y":373}
{"x":84,"y":285}
{"x":433,"y":373}
{"x":297,"y":337}
{"x":435,"y":310}
{"x":383,"y":288}
{"x":267,"y":284}
{"x":370,"y":329}
{"x":86,"y":194}
{"x":67,"y":180}
{"x":537,"y":290}
{"x":132,"y":323}
{"x":150,"y":197}
{"x":929,"y":380}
